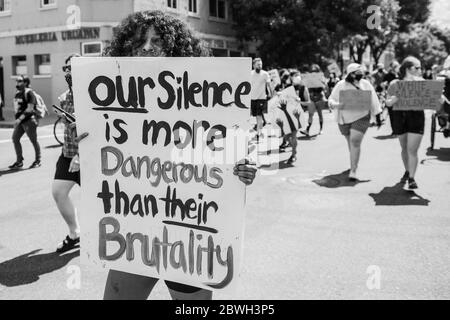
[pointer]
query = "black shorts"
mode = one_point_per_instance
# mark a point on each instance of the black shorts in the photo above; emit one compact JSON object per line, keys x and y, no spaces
{"x":258,"y":107}
{"x":408,"y":122}
{"x":62,"y":170}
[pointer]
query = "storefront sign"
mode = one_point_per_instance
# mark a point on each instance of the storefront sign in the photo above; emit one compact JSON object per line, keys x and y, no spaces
{"x":83,"y":33}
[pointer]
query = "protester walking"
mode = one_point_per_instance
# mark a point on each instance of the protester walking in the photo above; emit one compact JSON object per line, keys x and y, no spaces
{"x":26,"y":122}
{"x":67,"y":173}
{"x":408,"y":125}
{"x":261,"y":90}
{"x":391,"y":76}
{"x":353,"y":123}
{"x":318,"y":102}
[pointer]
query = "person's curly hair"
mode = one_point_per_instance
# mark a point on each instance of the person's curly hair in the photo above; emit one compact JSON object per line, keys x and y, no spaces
{"x":178,"y":40}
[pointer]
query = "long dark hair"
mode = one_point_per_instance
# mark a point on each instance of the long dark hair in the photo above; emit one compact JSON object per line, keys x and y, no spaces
{"x":407,"y":63}
{"x":178,"y":39}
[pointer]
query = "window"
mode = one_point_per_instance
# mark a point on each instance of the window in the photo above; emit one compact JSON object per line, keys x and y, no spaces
{"x":193,"y":6}
{"x":172,"y":4}
{"x":19,"y":65}
{"x":48,"y":3}
{"x":5,"y":6}
{"x":42,"y":64}
{"x":92,"y":49}
{"x":217,"y":9}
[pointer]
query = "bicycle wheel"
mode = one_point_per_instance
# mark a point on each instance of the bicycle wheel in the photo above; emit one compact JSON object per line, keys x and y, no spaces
{"x":58,"y":131}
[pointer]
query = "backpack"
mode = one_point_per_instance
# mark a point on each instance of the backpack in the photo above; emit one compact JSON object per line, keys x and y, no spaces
{"x":40,"y":107}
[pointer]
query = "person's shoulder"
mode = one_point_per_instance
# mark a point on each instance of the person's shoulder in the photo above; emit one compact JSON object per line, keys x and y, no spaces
{"x":366,"y":83}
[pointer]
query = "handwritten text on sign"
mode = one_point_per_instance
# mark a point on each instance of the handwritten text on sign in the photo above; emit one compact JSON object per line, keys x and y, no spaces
{"x":355,"y":99}
{"x":142,"y":210}
{"x":417,"y":95}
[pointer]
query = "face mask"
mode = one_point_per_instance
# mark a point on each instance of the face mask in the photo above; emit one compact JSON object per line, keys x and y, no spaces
{"x":358,"y":77}
{"x":69,"y":79}
{"x":18,"y":87}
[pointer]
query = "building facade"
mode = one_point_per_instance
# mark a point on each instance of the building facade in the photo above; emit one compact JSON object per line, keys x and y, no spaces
{"x":37,"y":35}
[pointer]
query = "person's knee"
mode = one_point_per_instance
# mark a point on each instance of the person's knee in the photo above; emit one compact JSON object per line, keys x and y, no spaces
{"x":59,"y":194}
{"x":355,"y":142}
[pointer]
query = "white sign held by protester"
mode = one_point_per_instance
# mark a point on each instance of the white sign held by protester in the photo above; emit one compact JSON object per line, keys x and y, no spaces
{"x":287,"y":120}
{"x":147,"y":208}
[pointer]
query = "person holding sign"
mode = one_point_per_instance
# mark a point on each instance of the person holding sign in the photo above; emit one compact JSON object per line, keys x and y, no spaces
{"x":155,"y":34}
{"x":408,"y":125}
{"x":355,"y":102}
{"x":318,"y":101}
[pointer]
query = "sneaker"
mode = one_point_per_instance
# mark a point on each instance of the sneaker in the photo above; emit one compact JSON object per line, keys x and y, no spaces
{"x":405,"y":177}
{"x":412,"y":184}
{"x":320,"y":132}
{"x":352,"y":176}
{"x":291,"y":160}
{"x":68,"y":244}
{"x":16,"y":165}
{"x":35,"y":164}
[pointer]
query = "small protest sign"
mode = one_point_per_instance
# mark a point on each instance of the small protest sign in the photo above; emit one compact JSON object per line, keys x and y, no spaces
{"x":158,"y":196}
{"x":274,"y":77}
{"x":314,"y":80}
{"x":288,"y":119}
{"x":355,"y":99}
{"x":417,"y":95}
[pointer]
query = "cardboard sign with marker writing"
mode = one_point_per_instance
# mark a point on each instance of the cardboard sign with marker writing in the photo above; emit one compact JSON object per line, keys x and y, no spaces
{"x":274,"y":77}
{"x":288,"y":119}
{"x":158,"y":193}
{"x":355,"y":99}
{"x":314,"y":80}
{"x":417,"y":95}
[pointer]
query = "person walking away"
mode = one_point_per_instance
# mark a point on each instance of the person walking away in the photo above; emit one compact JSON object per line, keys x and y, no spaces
{"x":408,"y":125}
{"x":353,"y":124}
{"x":26,"y":122}
{"x":317,"y":104}
{"x":392,"y":75}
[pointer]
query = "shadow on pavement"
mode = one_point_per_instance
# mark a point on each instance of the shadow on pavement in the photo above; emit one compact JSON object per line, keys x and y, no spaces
{"x":338,"y":181}
{"x":28,"y":268}
{"x":386,"y":137}
{"x":398,"y":196}
{"x":442,"y":154}
{"x":53,"y":146}
{"x":6,"y":171}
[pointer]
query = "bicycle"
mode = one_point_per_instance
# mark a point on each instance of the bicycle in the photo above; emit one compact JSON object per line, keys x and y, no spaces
{"x":58,"y":130}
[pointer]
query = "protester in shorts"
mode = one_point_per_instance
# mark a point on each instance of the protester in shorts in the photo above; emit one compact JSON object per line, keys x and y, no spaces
{"x":155,"y":34}
{"x":353,"y":124}
{"x":317,"y":104}
{"x":261,"y":90}
{"x":26,"y":122}
{"x":408,"y":125}
{"x":67,"y":173}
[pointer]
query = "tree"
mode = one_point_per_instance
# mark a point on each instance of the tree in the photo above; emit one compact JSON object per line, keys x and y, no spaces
{"x":421,"y":43}
{"x":412,"y":12}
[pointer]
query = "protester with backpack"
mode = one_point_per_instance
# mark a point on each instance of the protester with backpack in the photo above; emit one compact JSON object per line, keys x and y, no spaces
{"x":27,"y":122}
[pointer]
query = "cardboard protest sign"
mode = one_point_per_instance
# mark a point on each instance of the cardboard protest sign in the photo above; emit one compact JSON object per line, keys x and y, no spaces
{"x":274,"y":77}
{"x":355,"y":99}
{"x":417,"y":95}
{"x":158,"y":194}
{"x":291,"y":116}
{"x":314,"y":80}
{"x":333,"y":67}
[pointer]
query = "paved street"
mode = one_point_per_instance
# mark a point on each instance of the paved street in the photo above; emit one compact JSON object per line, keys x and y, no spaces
{"x":309,"y":233}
